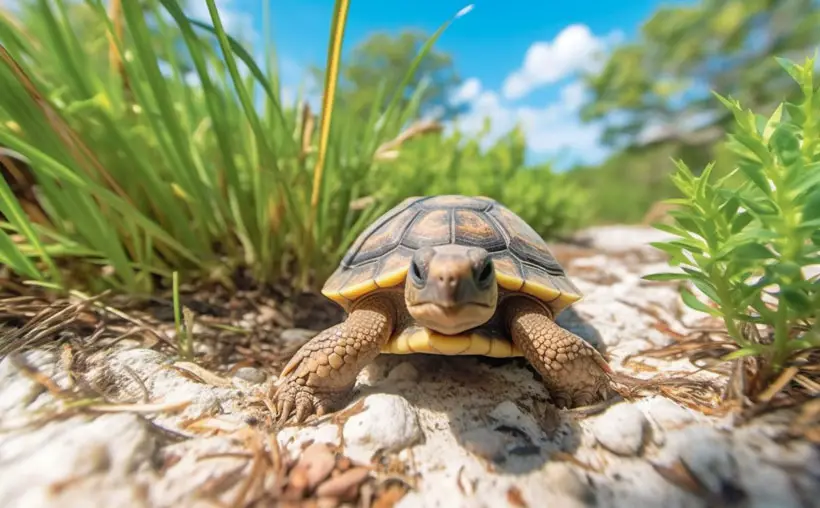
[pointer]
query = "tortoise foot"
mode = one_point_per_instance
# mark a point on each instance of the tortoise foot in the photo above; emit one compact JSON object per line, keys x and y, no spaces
{"x":323,"y":371}
{"x":574,"y":372}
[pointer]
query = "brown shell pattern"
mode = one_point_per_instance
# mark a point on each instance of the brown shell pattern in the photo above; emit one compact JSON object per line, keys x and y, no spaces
{"x":380,"y":256}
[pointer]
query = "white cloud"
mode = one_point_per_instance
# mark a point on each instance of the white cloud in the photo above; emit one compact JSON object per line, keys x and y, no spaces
{"x":549,"y":129}
{"x":236,"y":22}
{"x":467,"y":92}
{"x":574,"y":49}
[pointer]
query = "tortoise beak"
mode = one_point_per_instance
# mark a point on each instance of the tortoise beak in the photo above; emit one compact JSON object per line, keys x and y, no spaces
{"x":451,"y":285}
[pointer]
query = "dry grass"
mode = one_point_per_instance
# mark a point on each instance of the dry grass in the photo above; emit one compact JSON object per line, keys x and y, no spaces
{"x":746,"y":388}
{"x":79,"y":327}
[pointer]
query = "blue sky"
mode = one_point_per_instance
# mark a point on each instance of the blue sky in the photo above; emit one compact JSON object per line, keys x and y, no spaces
{"x":520,"y":58}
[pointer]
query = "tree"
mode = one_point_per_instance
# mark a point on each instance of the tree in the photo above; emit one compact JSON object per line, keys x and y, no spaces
{"x":658,"y":89}
{"x":385,"y":58}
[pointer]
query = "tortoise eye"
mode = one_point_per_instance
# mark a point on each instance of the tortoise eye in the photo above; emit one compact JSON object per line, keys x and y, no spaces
{"x":416,"y":273}
{"x":486,"y":273}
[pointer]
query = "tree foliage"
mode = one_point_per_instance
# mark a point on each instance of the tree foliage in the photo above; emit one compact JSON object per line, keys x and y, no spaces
{"x":660,"y":86}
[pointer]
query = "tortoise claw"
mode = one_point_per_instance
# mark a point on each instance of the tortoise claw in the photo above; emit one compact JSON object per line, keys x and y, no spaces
{"x":296,"y":402}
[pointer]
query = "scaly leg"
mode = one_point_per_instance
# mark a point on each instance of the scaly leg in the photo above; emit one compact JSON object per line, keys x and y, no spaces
{"x":574,"y":372}
{"x":321,"y":374}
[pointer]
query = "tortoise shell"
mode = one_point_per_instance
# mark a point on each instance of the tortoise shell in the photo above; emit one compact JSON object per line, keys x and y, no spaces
{"x":379,"y":258}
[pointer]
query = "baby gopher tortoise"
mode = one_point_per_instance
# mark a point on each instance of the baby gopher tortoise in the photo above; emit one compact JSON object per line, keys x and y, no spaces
{"x":448,"y":275}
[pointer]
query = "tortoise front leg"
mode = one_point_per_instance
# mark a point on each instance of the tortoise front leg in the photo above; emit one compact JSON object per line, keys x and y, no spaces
{"x":321,"y":374}
{"x":574,"y":372}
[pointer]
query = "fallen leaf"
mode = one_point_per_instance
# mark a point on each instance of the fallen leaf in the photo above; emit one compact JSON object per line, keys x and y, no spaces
{"x":202,"y":374}
{"x":390,"y":496}
{"x":318,"y":462}
{"x":515,"y":498}
{"x":680,"y":475}
{"x":339,"y":485}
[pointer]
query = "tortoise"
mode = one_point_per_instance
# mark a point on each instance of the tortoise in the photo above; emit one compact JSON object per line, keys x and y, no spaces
{"x":448,"y":275}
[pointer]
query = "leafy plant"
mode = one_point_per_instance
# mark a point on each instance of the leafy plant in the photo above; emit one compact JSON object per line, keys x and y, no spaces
{"x":747,"y":247}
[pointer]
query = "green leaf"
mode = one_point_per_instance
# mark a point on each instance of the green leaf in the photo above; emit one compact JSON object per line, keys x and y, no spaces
{"x":796,"y":299}
{"x":740,"y":353}
{"x":792,"y":68}
{"x":754,"y":171}
{"x":787,"y":269}
{"x":708,"y":289}
{"x":795,"y":112}
{"x":692,"y":302}
{"x":669,"y":248}
{"x":740,"y":221}
{"x":11,"y":256}
{"x":772,"y":123}
{"x":760,"y":206}
{"x":811,"y":210}
{"x":729,"y":208}
{"x":663,"y":277}
{"x":674,"y":230}
{"x":691,"y":245}
{"x":785,"y":143}
{"x":750,"y":251}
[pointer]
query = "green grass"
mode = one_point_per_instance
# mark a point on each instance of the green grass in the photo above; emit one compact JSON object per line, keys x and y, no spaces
{"x":142,"y":171}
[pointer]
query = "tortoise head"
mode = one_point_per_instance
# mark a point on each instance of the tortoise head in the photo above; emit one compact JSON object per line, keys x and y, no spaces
{"x":451,"y":288}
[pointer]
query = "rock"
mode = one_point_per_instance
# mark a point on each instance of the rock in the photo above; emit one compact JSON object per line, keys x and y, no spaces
{"x":664,"y":414}
{"x":251,"y":375}
{"x":620,"y":429}
{"x":371,"y":374}
{"x":404,"y":371}
{"x":114,"y":445}
{"x":17,"y":390}
{"x":485,"y":443}
{"x":296,"y":336}
{"x":387,"y":424}
{"x":507,"y":413}
{"x":569,"y":482}
{"x":706,"y":451}
{"x":294,"y":438}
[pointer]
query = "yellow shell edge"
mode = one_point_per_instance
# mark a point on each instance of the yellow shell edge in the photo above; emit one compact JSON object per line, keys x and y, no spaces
{"x":555,"y":298}
{"x":349,"y":293}
{"x":421,"y":340}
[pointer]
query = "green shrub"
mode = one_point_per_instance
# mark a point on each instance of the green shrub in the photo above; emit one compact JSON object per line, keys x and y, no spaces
{"x":450,"y":164}
{"x":746,"y":247}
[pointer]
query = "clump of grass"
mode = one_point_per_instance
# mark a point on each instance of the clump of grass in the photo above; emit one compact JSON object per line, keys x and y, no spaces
{"x":158,"y":145}
{"x":747,"y":248}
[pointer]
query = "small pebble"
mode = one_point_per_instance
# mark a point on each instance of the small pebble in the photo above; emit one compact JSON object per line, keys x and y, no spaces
{"x":620,"y":429}
{"x":387,"y":424}
{"x":340,"y":485}
{"x":485,"y":443}
{"x":509,"y":414}
{"x":404,"y":371}
{"x":317,"y":461}
{"x":665,"y":415}
{"x":567,"y":480}
{"x":295,"y":336}
{"x":251,"y":375}
{"x":706,"y":451}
